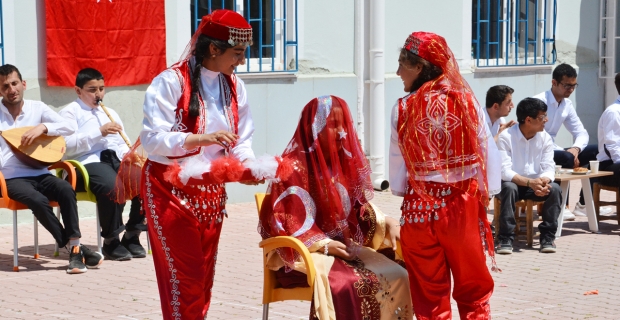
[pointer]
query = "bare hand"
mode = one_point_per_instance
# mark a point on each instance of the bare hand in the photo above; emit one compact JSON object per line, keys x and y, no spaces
{"x":338,"y":249}
{"x":506,"y":125}
{"x":223,"y":138}
{"x":29,"y":136}
{"x":110,"y":128}
{"x":541,"y":186}
{"x":575,"y":153}
{"x":252,"y":182}
{"x":393,"y":231}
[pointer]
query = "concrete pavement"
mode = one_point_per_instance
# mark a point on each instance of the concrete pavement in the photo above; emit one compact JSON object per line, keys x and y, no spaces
{"x":531,"y":286}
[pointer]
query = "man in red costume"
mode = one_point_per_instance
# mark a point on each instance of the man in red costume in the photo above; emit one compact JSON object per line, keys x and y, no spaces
{"x":439,"y":162}
{"x":197,"y":110}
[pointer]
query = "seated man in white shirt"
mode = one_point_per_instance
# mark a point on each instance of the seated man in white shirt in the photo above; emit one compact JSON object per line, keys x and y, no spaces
{"x":609,"y":141}
{"x":528,"y":172}
{"x":498,"y":105}
{"x":98,"y":145}
{"x":35,"y":187}
{"x":561,"y":111}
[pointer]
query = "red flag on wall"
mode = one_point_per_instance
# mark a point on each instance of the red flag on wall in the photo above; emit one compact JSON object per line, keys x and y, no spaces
{"x":124,"y":39}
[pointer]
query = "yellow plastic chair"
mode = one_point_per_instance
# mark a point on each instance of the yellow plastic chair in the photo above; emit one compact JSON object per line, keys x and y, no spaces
{"x":7,"y":203}
{"x":89,"y":196}
{"x":271,"y":293}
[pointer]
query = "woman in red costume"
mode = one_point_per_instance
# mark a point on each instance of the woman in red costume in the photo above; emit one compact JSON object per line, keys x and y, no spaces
{"x":195,"y":109}
{"x":440,"y":155}
{"x":325,"y":204}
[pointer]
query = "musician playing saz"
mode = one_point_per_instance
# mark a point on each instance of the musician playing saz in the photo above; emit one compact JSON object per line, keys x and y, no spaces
{"x":98,"y":145}
{"x":35,"y":187}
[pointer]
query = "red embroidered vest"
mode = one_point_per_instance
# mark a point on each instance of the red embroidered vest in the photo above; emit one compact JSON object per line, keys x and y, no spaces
{"x":437,"y":130}
{"x":186,"y":123}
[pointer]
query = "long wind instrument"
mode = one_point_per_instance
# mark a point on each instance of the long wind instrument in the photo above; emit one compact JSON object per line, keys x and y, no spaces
{"x":100,"y":103}
{"x":127,"y":185}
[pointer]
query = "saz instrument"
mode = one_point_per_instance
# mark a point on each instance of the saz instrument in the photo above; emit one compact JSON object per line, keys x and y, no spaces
{"x":42,"y":152}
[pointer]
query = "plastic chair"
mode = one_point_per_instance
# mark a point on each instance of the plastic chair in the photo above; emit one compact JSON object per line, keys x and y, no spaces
{"x":89,"y":196}
{"x":8,"y":203}
{"x":83,"y":196}
{"x":271,"y":293}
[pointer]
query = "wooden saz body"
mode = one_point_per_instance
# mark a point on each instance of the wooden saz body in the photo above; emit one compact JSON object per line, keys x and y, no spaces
{"x":42,"y":152}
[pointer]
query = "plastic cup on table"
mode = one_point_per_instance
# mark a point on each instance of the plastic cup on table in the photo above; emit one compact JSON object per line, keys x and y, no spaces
{"x":593,"y":166}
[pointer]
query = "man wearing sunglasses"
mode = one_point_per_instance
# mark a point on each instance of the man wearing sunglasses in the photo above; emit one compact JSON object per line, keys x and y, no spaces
{"x":560,"y":110}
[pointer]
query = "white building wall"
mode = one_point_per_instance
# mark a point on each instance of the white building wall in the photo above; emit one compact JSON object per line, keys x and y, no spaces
{"x":326,"y":63}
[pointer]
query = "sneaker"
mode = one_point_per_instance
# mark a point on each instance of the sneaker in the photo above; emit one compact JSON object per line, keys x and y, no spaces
{"x":115,"y":251}
{"x":606,"y":211}
{"x":134,"y":247}
{"x":547,"y":246}
{"x":92,"y":259}
{"x":568,"y":216}
{"x":580,"y":210}
{"x":76,"y":261}
{"x":505,"y":246}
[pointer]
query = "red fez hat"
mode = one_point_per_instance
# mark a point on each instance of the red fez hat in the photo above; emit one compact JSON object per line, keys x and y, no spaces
{"x":429,"y":46}
{"x":227,"y":25}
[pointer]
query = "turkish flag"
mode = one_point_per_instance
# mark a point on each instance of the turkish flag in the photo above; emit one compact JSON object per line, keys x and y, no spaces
{"x":124,"y":39}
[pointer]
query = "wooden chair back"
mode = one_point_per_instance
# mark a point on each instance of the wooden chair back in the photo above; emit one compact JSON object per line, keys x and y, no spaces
{"x":596,"y":194}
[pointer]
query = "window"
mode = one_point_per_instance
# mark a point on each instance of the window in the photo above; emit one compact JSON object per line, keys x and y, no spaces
{"x":513,"y":32}
{"x":274,"y":24}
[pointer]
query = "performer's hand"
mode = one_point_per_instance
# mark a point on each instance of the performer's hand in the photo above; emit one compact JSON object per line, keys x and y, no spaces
{"x":29,"y":136}
{"x":338,"y":249}
{"x":393,"y":231}
{"x":252,"y":182}
{"x":110,"y":128}
{"x":223,"y":138}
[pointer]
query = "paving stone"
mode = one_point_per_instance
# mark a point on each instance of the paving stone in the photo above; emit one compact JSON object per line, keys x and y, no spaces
{"x":531,"y":286}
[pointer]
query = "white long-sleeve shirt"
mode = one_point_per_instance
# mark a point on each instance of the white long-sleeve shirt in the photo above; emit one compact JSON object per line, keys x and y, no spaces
{"x":609,"y":133}
{"x":493,"y":127}
{"x":398,"y":170}
{"x":531,"y":158}
{"x":86,"y":144}
{"x":33,"y":113}
{"x":160,"y":103}
{"x":563,"y":113}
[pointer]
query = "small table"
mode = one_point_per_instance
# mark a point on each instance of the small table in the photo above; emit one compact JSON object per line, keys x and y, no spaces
{"x":564,"y":178}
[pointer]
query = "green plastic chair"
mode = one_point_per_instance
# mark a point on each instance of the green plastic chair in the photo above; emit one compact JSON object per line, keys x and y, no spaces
{"x":89,"y":196}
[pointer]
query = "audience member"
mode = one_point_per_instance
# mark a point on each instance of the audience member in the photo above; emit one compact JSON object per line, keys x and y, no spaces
{"x":35,"y":187}
{"x":528,"y":172}
{"x":98,"y":145}
{"x":498,"y":106}
{"x":560,"y":111}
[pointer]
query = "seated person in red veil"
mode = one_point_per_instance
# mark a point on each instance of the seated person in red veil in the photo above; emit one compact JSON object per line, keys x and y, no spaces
{"x":325,"y":204}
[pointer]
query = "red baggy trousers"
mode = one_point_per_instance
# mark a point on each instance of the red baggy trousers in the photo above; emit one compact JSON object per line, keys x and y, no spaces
{"x":450,"y":243}
{"x":184,"y":241}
